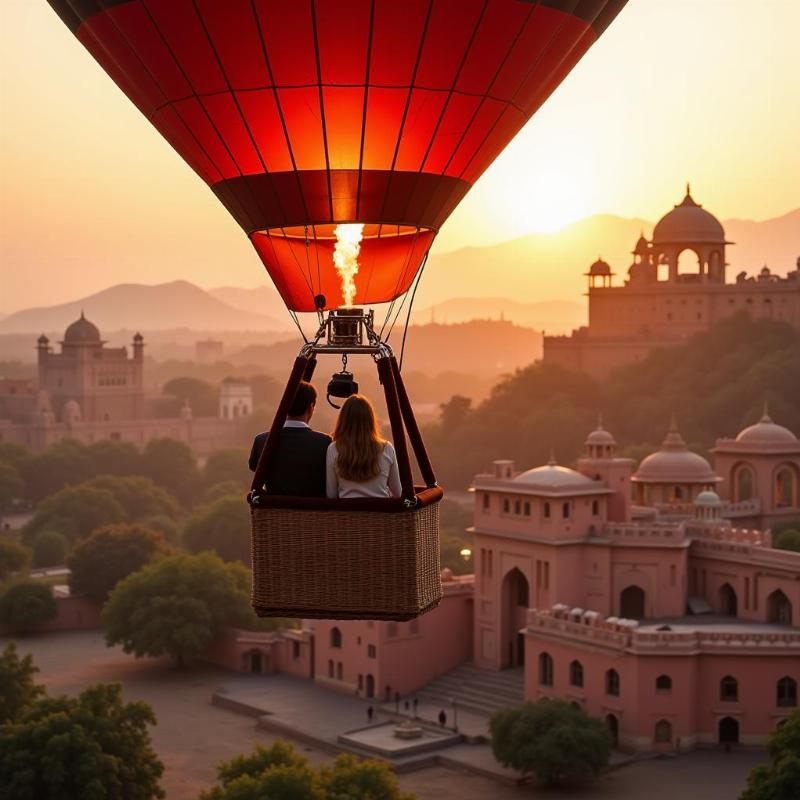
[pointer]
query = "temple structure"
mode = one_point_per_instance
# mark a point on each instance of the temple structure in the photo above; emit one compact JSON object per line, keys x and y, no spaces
{"x":650,"y":596}
{"x":676,"y":286}
{"x":88,"y":392}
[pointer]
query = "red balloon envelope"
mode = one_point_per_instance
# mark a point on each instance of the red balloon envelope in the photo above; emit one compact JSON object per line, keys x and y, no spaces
{"x":304,"y":114}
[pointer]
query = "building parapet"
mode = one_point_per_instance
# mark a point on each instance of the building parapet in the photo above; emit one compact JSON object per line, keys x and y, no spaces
{"x":589,"y":628}
{"x":744,"y":508}
{"x":725,"y":533}
{"x":655,"y":533}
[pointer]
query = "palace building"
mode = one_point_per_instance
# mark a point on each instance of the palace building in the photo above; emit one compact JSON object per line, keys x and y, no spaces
{"x":88,"y":392}
{"x":649,"y":595}
{"x":676,"y":286}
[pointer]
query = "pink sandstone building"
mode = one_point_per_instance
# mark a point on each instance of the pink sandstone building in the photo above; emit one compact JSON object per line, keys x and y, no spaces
{"x":636,"y":594}
{"x":675,"y":287}
{"x":89,"y":392}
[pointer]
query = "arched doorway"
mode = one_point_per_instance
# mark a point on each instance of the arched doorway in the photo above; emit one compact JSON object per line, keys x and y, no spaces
{"x":785,"y":488}
{"x":631,"y":602}
{"x":370,"y":686}
{"x":255,"y":662}
{"x":728,"y":730}
{"x":779,"y":608}
{"x":727,"y":600}
{"x":515,"y":595}
{"x":743,"y":482}
{"x":612,"y":723}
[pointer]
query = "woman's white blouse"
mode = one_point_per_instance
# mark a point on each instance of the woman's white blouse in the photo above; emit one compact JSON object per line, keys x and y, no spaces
{"x":385,"y":484}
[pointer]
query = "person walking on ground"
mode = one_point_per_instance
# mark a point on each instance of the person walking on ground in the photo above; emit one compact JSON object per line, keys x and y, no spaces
{"x":370,"y":714}
{"x":443,"y":718}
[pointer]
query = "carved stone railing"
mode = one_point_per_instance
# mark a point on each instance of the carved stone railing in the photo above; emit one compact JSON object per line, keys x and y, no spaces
{"x":654,"y":533}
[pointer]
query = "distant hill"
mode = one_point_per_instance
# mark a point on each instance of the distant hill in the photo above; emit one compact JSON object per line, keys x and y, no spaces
{"x":556,"y":316}
{"x":178,"y":304}
{"x":481,"y":346}
{"x":551,"y":266}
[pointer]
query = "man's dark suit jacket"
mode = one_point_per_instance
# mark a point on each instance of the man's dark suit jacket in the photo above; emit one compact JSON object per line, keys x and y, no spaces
{"x":298,"y":468}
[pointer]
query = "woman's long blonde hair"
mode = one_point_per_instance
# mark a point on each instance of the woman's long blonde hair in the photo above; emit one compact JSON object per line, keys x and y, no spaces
{"x":359,"y":443}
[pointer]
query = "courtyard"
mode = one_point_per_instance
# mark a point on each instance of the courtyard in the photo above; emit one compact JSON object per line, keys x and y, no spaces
{"x":193,"y":736}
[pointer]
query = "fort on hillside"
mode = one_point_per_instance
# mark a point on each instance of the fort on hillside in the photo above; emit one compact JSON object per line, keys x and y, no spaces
{"x":90,"y":392}
{"x":675,"y":287}
{"x":648,"y":595}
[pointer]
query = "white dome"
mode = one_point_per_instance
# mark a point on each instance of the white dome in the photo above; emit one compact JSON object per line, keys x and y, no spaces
{"x":707,"y":498}
{"x":688,"y":223}
{"x":766,"y":431}
{"x":553,"y":475}
{"x":600,"y":436}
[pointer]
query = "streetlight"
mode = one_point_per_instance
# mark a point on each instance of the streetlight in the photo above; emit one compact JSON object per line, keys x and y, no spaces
{"x":465,"y":553}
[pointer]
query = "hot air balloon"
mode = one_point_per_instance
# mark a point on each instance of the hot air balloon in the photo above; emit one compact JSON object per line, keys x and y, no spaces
{"x":340,"y":135}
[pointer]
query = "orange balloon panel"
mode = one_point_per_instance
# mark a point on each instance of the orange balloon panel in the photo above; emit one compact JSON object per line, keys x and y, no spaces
{"x":308,"y":113}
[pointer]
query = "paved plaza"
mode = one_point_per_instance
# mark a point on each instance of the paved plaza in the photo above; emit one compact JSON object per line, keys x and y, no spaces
{"x":193,"y":735}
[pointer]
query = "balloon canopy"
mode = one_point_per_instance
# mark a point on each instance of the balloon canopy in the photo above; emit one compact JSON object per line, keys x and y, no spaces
{"x":305,"y":114}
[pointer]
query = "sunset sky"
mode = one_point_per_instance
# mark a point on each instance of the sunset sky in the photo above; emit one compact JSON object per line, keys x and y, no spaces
{"x":699,"y":90}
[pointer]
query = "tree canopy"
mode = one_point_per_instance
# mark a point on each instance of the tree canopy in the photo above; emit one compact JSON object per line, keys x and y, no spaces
{"x":222,"y":526}
{"x":49,"y":549}
{"x":90,"y":747}
{"x":278,"y":771}
{"x":550,"y":739}
{"x":172,"y":466}
{"x":110,"y":554}
{"x":25,"y":604}
{"x":788,"y":539}
{"x":177,"y":606}
{"x":11,"y":485}
{"x":139,"y":497}
{"x":227,"y":465}
{"x":18,"y":690}
{"x":780,"y":778}
{"x":75,"y":511}
{"x":201,"y":396}
{"x":13,"y":557}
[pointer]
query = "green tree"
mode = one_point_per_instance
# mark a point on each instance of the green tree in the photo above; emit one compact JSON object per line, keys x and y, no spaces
{"x":228,"y":465}
{"x":25,"y":604}
{"x":13,"y":557}
{"x":201,"y":396}
{"x":115,"y":458}
{"x":11,"y":486}
{"x":111,"y":553}
{"x":139,"y":497}
{"x":780,"y":778}
{"x":90,"y":747}
{"x":177,"y":606}
{"x":279,"y":772}
{"x":75,"y":512}
{"x":49,"y":549}
{"x":223,"y":526}
{"x":788,"y":539}
{"x":171,"y":465}
{"x":47,"y":472}
{"x":550,"y":739}
{"x":18,"y":690}
{"x":224,"y":489}
{"x":13,"y":454}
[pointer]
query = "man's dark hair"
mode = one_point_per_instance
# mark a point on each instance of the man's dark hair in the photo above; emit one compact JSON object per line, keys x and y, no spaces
{"x":305,"y":397}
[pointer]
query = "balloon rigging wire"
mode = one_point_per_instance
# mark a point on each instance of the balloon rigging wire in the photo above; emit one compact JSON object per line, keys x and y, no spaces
{"x":410,"y":306}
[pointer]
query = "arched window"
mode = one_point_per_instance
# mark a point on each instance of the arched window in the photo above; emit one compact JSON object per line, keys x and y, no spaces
{"x":506,"y":506}
{"x":612,"y":682}
{"x":547,"y":510}
{"x":664,"y":684}
{"x":744,"y":483}
{"x":545,"y":669}
{"x":663,"y":731}
{"x":330,"y":668}
{"x":517,"y":507}
{"x":727,"y":600}
{"x":575,"y":673}
{"x":784,"y":488}
{"x":787,"y":692}
{"x":336,"y":638}
{"x":779,"y":608}
{"x":729,"y":689}
{"x":527,"y":509}
{"x":565,"y":510}
{"x":595,"y":508}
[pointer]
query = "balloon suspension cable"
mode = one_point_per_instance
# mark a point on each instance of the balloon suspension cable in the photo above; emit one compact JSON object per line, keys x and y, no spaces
{"x":410,"y":306}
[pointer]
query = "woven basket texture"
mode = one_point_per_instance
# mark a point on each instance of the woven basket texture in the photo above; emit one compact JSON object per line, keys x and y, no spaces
{"x":345,"y":564}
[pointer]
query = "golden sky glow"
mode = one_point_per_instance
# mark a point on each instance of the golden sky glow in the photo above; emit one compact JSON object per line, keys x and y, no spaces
{"x":676,"y":90}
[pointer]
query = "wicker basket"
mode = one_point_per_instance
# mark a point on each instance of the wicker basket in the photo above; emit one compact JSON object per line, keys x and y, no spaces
{"x":345,"y":564}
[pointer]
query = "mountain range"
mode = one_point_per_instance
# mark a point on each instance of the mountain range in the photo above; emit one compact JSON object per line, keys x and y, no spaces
{"x":536,"y":281}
